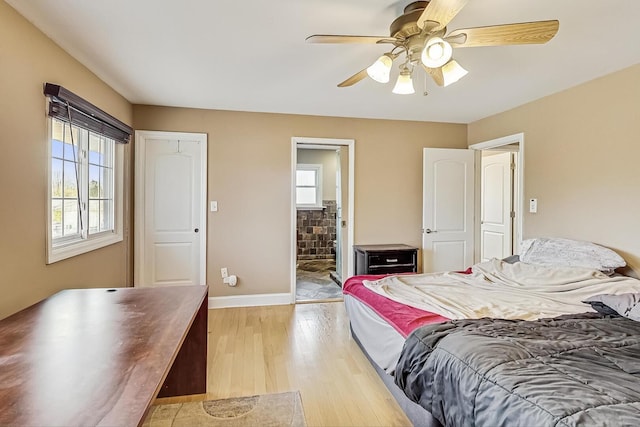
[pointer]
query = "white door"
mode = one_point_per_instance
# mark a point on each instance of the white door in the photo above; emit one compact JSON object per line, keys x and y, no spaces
{"x":170,"y":209}
{"x":496,"y":206}
{"x":448,"y":205}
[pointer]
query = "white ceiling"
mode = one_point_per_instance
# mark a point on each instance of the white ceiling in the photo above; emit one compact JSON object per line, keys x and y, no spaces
{"x":251,"y":55}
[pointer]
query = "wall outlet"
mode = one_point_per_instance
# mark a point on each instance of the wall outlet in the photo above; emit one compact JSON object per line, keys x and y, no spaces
{"x":224,"y":272}
{"x":231,"y":280}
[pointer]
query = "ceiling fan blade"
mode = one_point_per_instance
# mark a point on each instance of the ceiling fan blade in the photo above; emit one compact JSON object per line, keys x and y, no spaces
{"x":499,"y":35}
{"x":354,"y":79}
{"x":335,"y":38}
{"x":436,"y":74}
{"x":440,"y":11}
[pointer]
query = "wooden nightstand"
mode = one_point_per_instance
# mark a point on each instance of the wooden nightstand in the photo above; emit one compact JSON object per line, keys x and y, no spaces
{"x":385,"y":259}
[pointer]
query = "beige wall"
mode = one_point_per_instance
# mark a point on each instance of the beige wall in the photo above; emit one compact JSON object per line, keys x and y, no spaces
{"x":250,"y":177}
{"x":581,"y":155}
{"x":27,"y":60}
{"x":329,"y":161}
{"x":582,"y":151}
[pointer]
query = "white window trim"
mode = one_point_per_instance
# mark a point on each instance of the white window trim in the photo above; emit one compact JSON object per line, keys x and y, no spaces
{"x":318,"y":169}
{"x":96,"y":241}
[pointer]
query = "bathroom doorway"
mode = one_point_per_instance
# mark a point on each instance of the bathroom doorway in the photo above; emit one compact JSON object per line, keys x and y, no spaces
{"x":500,"y":201}
{"x":322,"y":218}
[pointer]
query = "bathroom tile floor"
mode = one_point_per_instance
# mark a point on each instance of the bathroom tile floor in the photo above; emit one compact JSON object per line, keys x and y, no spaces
{"x":313,"y":280}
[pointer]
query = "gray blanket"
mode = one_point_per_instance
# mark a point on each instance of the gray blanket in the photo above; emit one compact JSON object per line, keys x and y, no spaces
{"x":571,"y":370}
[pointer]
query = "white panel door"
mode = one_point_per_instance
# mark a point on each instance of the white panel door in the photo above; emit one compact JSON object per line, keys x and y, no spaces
{"x":173,"y":211}
{"x":496,"y":195}
{"x":448,"y":205}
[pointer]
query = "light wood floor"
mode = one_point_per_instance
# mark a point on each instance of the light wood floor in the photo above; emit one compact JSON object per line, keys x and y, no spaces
{"x":305,"y":347}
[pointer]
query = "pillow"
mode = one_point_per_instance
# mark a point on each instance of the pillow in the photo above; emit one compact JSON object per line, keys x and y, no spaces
{"x":601,"y":308}
{"x":555,"y":251}
{"x":627,"y":305}
{"x":511,"y":259}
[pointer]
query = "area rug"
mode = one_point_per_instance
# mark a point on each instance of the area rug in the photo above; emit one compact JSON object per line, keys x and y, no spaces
{"x":268,"y":410}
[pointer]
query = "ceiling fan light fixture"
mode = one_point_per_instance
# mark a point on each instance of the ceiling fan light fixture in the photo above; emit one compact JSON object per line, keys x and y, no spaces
{"x":380,"y":70}
{"x":452,"y":72}
{"x":404,"y":84}
{"x":436,"y":52}
{"x":420,"y":34}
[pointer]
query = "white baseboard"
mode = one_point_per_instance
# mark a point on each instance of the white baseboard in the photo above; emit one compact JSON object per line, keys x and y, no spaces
{"x":250,"y":300}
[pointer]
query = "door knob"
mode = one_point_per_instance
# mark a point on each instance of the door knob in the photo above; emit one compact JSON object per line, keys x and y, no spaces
{"x":196,"y":230}
{"x":429,"y":231}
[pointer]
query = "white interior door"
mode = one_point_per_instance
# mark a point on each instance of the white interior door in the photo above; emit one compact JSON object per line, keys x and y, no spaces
{"x":448,"y":206}
{"x":496,"y":206}
{"x":170,"y":209}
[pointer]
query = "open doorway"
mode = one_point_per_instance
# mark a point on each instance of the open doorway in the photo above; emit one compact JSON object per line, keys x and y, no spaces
{"x":497,"y":202}
{"x":322,"y":216}
{"x":500,"y":179}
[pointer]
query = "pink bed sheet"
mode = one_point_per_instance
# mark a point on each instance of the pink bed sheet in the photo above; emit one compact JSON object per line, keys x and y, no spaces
{"x":402,"y":317}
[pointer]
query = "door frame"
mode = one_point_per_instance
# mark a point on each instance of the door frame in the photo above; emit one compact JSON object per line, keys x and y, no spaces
{"x":519,"y":199}
{"x":141,"y":137}
{"x":321,"y":143}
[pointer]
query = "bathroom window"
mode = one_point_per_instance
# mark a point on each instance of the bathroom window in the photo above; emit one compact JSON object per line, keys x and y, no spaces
{"x":309,"y":186}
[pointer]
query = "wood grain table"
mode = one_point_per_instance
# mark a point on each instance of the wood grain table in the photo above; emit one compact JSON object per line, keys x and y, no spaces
{"x":101,"y":356}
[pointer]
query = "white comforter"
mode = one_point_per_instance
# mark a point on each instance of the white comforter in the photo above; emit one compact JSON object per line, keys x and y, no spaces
{"x":501,"y":290}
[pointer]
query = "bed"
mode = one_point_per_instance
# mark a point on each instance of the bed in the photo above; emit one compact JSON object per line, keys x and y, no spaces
{"x":559,"y":346}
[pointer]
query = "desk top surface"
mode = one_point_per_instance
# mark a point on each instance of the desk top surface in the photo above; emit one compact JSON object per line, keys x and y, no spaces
{"x":92,"y":356}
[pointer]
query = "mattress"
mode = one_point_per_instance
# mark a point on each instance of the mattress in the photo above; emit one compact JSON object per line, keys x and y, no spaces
{"x":381,"y":324}
{"x":382,"y":341}
{"x":418,"y":416}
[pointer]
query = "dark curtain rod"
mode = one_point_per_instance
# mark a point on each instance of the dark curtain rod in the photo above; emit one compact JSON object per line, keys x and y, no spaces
{"x":90,"y":116}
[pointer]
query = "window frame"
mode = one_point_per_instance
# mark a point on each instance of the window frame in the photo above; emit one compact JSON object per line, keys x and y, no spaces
{"x":317,"y":168}
{"x":84,"y":241}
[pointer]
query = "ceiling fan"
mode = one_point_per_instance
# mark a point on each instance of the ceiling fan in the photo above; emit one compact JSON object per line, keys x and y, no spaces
{"x":420,"y":37}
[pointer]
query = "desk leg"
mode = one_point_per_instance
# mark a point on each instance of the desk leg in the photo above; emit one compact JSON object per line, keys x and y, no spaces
{"x":188,"y":374}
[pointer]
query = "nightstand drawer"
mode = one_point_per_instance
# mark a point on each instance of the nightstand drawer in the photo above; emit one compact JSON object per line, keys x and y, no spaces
{"x":391,"y":259}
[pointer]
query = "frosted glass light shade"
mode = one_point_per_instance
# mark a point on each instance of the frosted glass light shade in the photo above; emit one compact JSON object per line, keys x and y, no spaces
{"x":452,"y":72}
{"x":379,"y":70}
{"x":436,"y":52}
{"x":404,"y":84}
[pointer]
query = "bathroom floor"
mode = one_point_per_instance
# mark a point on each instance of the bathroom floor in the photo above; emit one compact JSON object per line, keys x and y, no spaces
{"x":313,"y":280}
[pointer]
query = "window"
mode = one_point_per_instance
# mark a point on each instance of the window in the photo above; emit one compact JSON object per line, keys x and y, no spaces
{"x":85,"y":191}
{"x":309,"y":186}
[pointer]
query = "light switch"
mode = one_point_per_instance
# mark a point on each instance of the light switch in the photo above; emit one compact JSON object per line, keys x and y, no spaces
{"x":533,"y":205}
{"x":214,"y":206}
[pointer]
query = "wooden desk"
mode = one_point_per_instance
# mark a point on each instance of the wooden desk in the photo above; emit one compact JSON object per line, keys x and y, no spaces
{"x":100,"y":357}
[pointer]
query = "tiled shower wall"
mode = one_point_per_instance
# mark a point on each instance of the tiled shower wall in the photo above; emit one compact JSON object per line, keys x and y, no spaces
{"x":316,"y":230}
